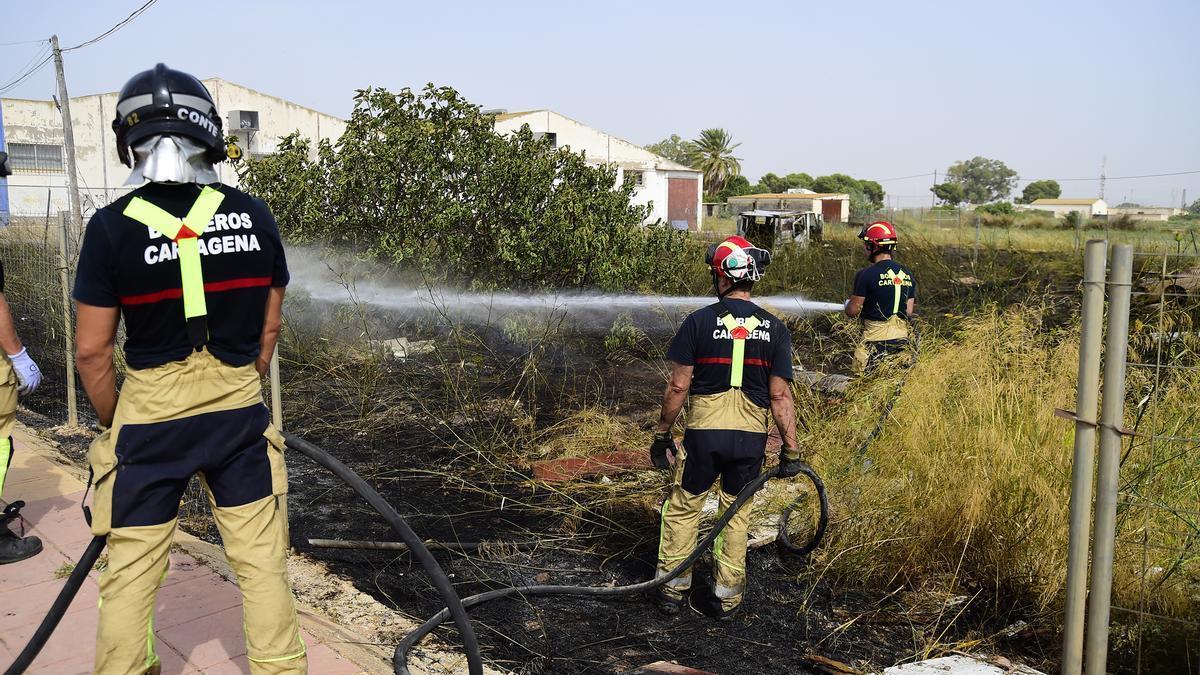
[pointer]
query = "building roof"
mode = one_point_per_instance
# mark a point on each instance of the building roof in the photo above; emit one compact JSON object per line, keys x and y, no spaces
{"x":662,"y":162}
{"x":799,"y":196}
{"x":207,"y":82}
{"x":1064,"y":202}
{"x":509,"y":115}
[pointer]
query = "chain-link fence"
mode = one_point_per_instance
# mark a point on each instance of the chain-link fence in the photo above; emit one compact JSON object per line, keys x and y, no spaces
{"x":1156,"y":601}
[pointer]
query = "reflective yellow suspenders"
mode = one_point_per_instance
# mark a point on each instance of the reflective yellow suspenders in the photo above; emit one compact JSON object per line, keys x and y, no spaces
{"x":185,"y":232}
{"x":739,"y":333}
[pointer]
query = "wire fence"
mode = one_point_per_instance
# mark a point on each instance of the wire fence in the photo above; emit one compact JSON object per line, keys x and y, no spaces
{"x":1158,"y":517}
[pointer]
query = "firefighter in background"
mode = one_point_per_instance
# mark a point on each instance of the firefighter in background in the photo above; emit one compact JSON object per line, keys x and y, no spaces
{"x":885,"y":297}
{"x":197,"y":271}
{"x":18,"y":375}
{"x":732,"y":362}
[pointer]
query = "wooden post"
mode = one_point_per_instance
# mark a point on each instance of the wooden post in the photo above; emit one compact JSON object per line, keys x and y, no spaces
{"x":64,"y":277}
{"x":64,"y":105}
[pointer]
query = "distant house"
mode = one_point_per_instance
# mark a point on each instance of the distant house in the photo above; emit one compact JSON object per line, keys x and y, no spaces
{"x":32,"y":133}
{"x":1151,"y":214}
{"x":833,"y":206}
{"x":674,"y":191}
{"x":1059,"y":208}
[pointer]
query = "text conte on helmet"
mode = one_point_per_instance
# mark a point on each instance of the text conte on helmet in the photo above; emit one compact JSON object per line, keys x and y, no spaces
{"x":166,"y":101}
{"x":880,"y":236}
{"x":737,"y":259}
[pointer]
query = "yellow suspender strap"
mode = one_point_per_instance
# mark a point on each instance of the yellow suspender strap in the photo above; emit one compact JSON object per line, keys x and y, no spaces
{"x":185,"y":233}
{"x":739,"y":333}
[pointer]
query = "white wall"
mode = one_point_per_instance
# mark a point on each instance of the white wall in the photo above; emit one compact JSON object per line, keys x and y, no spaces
{"x":602,"y":148}
{"x":101,"y":174}
{"x":1099,"y":208}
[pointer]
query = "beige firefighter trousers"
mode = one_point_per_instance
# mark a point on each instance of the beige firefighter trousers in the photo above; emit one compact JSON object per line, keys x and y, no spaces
{"x":197,"y":415}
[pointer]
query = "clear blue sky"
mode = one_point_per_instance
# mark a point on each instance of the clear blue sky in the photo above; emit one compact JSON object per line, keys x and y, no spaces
{"x":875,"y":89}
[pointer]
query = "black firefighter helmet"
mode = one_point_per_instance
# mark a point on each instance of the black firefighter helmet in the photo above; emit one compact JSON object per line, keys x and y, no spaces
{"x":166,"y":101}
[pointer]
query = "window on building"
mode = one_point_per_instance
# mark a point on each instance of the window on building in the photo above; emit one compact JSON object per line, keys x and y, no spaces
{"x":35,"y":158}
{"x":638,"y":178}
{"x":539,"y":135}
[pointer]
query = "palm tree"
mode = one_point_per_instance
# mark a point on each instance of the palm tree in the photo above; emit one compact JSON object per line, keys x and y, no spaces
{"x":712,"y":153}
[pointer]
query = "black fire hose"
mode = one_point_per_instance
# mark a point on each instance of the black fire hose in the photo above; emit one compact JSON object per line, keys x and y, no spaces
{"x":90,"y":555}
{"x":416,"y":545}
{"x":400,"y":658}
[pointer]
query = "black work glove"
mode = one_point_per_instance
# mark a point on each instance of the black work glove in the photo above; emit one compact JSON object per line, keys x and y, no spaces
{"x":663,"y":443}
{"x":788,"y":467}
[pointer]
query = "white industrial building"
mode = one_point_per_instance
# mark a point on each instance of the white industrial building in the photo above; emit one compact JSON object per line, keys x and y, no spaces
{"x":31,"y":131}
{"x":674,"y":192}
{"x":1149,"y":214}
{"x":1059,"y":208}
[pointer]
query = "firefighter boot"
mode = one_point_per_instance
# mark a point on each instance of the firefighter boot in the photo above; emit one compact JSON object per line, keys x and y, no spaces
{"x":15,"y":549}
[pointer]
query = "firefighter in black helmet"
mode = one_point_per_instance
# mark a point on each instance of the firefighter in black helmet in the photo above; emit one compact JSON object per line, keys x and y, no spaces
{"x":197,"y":270}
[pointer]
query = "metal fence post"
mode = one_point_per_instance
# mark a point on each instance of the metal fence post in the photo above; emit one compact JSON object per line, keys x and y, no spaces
{"x":1112,"y":415}
{"x":1083,"y":465}
{"x":64,"y":276}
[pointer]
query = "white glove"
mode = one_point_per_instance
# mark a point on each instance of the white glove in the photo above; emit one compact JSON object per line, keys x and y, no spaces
{"x":27,"y":372}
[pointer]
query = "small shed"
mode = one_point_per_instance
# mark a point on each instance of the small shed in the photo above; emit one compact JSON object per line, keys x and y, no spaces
{"x":834,"y":207}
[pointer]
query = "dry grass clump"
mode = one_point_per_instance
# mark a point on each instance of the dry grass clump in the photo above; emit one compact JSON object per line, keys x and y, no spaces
{"x":587,"y":432}
{"x":967,"y":488}
{"x":966,"y":491}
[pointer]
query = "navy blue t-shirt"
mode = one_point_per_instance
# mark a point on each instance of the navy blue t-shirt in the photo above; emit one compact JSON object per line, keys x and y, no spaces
{"x":126,"y":264}
{"x":886,"y":288}
{"x":704,"y":343}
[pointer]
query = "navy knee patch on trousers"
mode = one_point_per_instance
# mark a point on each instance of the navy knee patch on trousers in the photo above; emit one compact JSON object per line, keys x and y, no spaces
{"x":734,"y":456}
{"x":156,"y":461}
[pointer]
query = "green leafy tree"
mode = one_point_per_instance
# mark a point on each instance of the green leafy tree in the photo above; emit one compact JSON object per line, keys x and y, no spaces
{"x":421,"y":180}
{"x":773,"y":183}
{"x":983,"y":180}
{"x":873,"y":192}
{"x":799,"y":180}
{"x":951,"y":194}
{"x":835,"y":182}
{"x":674,"y":148}
{"x":1040,"y":189}
{"x":737,"y":186}
{"x":712,"y":153}
{"x":1194,"y":208}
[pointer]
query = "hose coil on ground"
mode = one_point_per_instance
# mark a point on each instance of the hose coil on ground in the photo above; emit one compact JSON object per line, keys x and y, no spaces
{"x":400,"y":658}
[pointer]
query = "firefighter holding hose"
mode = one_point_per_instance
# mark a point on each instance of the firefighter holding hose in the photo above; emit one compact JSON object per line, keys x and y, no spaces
{"x":732,"y":362}
{"x":884,"y":297}
{"x":197,"y":271}
{"x":18,"y":375}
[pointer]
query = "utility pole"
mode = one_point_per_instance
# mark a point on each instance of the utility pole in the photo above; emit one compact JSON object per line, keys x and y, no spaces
{"x":64,"y":105}
{"x":1103,"y":167}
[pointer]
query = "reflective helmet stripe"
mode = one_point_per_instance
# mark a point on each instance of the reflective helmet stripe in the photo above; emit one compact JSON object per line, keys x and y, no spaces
{"x":738,"y":362}
{"x":185,"y":232}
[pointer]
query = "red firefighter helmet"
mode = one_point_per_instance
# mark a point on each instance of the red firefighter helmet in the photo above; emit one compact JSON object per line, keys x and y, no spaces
{"x":737,"y":259}
{"x":879,"y":237}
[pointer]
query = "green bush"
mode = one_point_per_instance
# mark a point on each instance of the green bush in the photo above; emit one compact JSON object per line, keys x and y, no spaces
{"x":422,"y":181}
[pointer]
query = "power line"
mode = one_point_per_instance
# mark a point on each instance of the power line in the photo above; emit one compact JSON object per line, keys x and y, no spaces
{"x":919,"y":175}
{"x":1148,"y":175}
{"x":23,"y":42}
{"x":28,"y":70}
{"x":124,"y":22}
